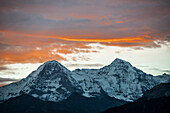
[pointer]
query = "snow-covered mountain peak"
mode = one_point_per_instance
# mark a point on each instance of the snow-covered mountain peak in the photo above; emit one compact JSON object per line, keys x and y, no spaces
{"x":118,"y":62}
{"x":53,"y":82}
{"x":51,"y":67}
{"x":54,"y":64}
{"x":120,"y":67}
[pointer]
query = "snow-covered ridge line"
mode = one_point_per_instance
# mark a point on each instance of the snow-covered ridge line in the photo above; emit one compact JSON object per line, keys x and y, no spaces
{"x":54,"y":82}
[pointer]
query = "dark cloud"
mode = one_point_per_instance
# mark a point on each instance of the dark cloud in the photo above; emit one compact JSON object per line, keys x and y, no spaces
{"x":136,"y":45}
{"x":21,"y":3}
{"x":20,"y":21}
{"x":5,"y":81}
{"x":138,"y":48}
{"x":162,"y":25}
{"x":2,"y":67}
{"x":8,"y":79}
{"x":167,"y":38}
{"x":166,"y":71}
{"x":83,"y":17}
{"x":117,"y":52}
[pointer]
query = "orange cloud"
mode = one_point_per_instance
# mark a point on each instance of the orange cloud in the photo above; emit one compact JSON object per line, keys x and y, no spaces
{"x":30,"y":56}
{"x":119,"y":22}
{"x":66,"y":38}
{"x":123,"y":29}
{"x":33,"y":51}
{"x":124,"y":39}
{"x":22,"y":48}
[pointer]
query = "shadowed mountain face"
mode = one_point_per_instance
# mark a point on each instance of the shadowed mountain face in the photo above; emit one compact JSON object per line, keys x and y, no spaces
{"x":75,"y":103}
{"x":156,"y":100}
{"x":161,"y":90}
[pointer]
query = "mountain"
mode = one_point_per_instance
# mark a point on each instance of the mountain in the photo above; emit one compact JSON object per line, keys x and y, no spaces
{"x":161,"y":90}
{"x":75,"y":103}
{"x":119,"y":79}
{"x":53,"y":82}
{"x":156,"y":100}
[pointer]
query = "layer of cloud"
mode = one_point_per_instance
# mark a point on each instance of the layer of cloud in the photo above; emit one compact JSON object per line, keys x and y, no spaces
{"x":116,"y":18}
{"x":3,"y":67}
{"x":41,"y":53}
{"x":161,"y":70}
{"x":37,"y":31}
{"x":5,"y":81}
{"x":83,"y":65}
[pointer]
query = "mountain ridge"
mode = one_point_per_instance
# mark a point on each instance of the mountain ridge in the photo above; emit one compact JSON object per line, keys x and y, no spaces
{"x":54,"y":82}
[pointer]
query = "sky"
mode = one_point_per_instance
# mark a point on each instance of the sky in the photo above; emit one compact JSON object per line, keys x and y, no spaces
{"x":83,"y":34}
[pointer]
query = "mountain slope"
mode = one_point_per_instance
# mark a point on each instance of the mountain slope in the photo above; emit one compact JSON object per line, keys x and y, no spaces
{"x":53,"y":82}
{"x":75,"y":103}
{"x":156,"y":100}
